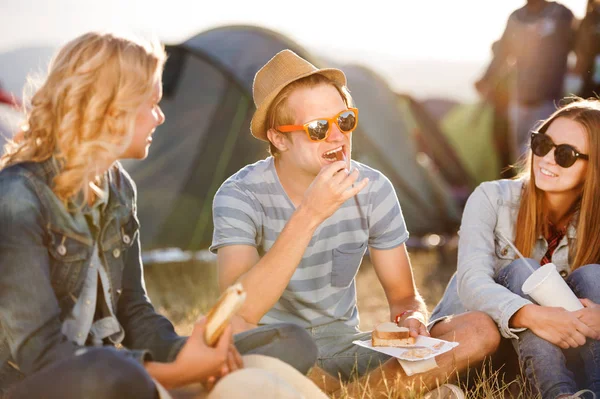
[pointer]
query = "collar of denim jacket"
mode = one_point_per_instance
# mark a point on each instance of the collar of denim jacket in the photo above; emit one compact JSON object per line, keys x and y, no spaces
{"x":118,"y":194}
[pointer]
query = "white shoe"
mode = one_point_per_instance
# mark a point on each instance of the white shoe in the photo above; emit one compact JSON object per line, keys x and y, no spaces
{"x":581,"y":395}
{"x":446,"y":391}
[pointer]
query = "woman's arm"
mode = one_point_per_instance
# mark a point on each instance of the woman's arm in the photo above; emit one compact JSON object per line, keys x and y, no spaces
{"x":144,"y":328}
{"x":477,"y":288}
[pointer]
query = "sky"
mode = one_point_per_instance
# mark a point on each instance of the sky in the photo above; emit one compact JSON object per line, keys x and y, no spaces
{"x":400,"y":29}
{"x":377,"y":33}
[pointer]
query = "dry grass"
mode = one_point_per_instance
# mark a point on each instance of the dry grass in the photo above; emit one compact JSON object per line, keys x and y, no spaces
{"x":184,"y":291}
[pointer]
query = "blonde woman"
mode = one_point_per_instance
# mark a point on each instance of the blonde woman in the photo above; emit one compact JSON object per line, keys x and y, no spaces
{"x":552,"y":213}
{"x":75,"y":320}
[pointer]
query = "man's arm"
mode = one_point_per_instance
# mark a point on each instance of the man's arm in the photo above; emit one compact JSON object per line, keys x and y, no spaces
{"x":265,"y":279}
{"x":395,"y":274}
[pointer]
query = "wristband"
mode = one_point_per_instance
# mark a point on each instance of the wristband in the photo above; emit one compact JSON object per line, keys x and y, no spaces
{"x":399,"y":316}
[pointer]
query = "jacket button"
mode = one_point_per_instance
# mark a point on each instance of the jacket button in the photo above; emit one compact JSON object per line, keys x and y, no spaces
{"x":504,"y":251}
{"x":62,"y":250}
{"x":563,"y":273}
{"x":116,"y":252}
{"x":119,"y":291}
{"x":126,"y":239}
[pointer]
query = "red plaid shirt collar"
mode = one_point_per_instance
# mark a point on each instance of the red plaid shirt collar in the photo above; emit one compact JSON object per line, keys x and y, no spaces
{"x":553,"y":238}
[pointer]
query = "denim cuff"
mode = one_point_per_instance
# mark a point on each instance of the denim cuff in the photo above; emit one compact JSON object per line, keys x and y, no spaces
{"x":176,"y":348}
{"x":140,"y":355}
{"x":509,"y":311}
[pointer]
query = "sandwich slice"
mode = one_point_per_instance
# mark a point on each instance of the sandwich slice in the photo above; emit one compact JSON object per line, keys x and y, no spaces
{"x":389,"y":334}
{"x":219,"y":316}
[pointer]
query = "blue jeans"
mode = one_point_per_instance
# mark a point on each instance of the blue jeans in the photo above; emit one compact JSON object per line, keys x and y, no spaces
{"x":106,"y":373}
{"x":549,"y":368}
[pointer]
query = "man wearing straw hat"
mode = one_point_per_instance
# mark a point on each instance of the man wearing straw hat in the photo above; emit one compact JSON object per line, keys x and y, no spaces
{"x":293,"y":229}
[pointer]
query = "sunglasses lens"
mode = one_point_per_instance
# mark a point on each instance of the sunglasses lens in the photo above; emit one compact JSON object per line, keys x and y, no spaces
{"x":318,"y":129}
{"x":347,"y":121}
{"x":541,"y":144}
{"x":564,"y":156}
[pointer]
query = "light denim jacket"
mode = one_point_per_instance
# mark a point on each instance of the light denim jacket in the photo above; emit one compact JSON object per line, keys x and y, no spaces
{"x":45,"y":252}
{"x":491,"y":212}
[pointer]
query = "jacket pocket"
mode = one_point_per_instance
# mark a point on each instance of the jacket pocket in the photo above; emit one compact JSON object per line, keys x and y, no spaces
{"x":345,"y":264}
{"x":120,"y":237}
{"x":68,"y":255}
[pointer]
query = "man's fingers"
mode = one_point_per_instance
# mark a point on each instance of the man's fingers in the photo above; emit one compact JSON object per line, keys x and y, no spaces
{"x":349,"y":179}
{"x":358,"y":187}
{"x":328,"y":171}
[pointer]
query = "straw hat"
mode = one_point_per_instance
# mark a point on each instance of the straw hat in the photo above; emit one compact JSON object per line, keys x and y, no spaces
{"x":281,"y":70}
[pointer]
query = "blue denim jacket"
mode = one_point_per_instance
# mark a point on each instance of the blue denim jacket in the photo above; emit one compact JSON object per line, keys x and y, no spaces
{"x":45,"y":252}
{"x":490,"y":213}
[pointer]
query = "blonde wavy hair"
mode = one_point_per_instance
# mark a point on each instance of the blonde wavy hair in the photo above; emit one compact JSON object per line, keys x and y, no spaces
{"x":84,"y":113}
{"x":532,"y":219}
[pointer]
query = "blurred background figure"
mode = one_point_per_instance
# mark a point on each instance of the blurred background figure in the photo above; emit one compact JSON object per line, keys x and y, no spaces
{"x":587,"y":50}
{"x":532,"y":55}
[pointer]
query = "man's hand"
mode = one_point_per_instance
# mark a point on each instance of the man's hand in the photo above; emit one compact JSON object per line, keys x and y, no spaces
{"x":415,"y":322}
{"x":590,"y":315}
{"x":330,"y":189}
{"x":556,"y":325}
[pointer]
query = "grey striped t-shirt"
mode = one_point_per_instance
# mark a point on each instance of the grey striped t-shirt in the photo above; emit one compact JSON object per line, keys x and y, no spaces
{"x":251,"y":208}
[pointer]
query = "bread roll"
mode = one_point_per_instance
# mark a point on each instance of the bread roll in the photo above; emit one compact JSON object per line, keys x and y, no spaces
{"x":219,"y":316}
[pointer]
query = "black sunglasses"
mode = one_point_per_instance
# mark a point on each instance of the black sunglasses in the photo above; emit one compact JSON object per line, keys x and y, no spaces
{"x":565,"y":155}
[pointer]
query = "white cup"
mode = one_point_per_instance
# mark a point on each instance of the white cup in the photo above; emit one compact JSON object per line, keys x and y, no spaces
{"x":548,"y":288}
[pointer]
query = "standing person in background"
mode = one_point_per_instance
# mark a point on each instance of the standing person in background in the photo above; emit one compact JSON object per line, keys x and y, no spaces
{"x":75,"y":318}
{"x":587,"y":51}
{"x":535,"y":45}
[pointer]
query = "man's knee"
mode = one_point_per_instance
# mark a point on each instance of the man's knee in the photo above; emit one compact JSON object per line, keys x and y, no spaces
{"x":487,"y":331}
{"x":480,"y":334}
{"x":115,"y":375}
{"x":301,"y":347}
{"x":288,"y":342}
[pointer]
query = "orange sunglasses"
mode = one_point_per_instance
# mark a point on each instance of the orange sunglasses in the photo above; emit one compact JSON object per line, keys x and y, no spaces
{"x":319,"y":129}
